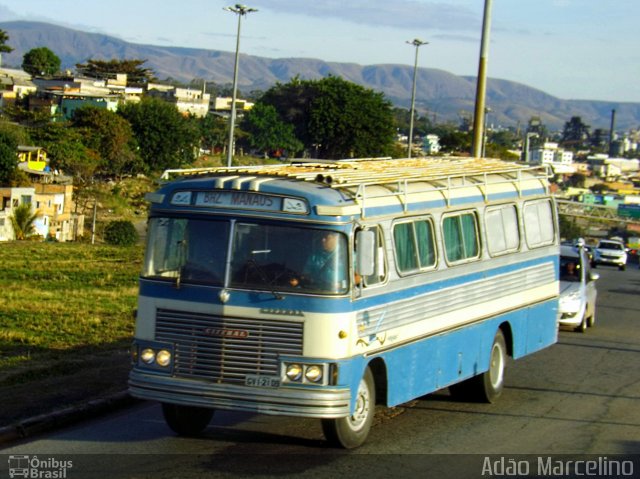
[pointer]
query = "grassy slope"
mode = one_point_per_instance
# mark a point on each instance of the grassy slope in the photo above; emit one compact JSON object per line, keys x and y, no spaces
{"x":66,"y":322}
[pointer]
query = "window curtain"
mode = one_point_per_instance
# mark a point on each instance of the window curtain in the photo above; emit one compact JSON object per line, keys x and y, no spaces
{"x":424,"y":238}
{"x":405,"y":247}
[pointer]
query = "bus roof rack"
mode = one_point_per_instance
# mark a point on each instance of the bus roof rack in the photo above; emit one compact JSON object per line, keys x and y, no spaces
{"x":355,"y":176}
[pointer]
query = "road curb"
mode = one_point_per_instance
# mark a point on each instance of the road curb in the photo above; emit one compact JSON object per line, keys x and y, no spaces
{"x":64,"y":417}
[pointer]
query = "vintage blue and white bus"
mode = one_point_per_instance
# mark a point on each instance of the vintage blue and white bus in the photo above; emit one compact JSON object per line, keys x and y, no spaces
{"x":320,"y":289}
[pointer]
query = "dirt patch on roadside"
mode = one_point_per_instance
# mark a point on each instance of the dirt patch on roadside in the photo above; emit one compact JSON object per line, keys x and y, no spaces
{"x":92,"y":378}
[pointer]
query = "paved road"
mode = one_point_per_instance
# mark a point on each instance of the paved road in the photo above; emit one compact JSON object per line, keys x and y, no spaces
{"x":581,"y":396}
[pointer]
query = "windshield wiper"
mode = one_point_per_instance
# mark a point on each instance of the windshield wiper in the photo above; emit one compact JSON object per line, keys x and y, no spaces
{"x":263,"y":276}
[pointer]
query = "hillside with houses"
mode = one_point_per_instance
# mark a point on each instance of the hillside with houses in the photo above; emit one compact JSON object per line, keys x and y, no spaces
{"x":598,"y":167}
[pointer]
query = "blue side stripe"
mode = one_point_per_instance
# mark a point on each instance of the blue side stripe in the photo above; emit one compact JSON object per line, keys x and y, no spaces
{"x":323,"y":304}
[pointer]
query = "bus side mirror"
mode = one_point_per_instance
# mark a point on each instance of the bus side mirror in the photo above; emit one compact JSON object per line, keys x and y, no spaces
{"x":365,"y":248}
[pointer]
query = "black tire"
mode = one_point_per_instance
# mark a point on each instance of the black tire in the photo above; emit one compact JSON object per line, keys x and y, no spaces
{"x":582,"y":327}
{"x":622,"y":267}
{"x":488,"y":386}
{"x":352,"y":431}
{"x":592,"y":319}
{"x":186,"y":420}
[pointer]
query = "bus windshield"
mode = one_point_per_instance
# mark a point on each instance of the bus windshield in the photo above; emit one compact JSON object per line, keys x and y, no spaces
{"x":263,"y":257}
{"x":187,"y":250}
{"x":283,"y":258}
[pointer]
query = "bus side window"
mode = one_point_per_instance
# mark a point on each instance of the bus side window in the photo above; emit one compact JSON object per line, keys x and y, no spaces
{"x":460,"y":233}
{"x":501,"y":224}
{"x":539,"y":225}
{"x":379,"y":261}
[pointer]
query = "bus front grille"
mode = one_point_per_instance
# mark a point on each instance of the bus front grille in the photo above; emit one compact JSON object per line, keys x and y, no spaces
{"x":226,"y":349}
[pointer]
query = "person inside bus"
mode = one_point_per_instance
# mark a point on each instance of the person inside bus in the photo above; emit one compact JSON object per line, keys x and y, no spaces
{"x":326,"y":267}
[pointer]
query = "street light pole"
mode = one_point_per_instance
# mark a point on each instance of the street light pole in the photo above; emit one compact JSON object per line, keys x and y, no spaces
{"x":239,"y":10}
{"x":478,"y":119}
{"x":484,"y":137}
{"x":416,"y":43}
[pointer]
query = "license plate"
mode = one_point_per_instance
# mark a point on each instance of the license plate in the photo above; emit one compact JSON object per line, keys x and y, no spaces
{"x":262,"y":381}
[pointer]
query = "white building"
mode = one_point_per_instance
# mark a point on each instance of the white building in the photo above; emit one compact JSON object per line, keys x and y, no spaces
{"x":431,"y":144}
{"x":10,"y":199}
{"x":560,"y":160}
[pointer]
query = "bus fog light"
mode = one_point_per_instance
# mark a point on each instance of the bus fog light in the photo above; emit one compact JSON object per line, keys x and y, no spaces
{"x":147,"y":356}
{"x":163,"y":358}
{"x":313,"y":373}
{"x":294,"y":372}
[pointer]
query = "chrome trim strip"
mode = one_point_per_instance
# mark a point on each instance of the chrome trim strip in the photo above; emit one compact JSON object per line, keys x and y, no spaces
{"x":321,"y":403}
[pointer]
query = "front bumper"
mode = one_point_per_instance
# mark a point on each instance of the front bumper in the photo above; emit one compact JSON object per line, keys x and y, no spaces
{"x":286,"y":401}
{"x":614,"y":260}
{"x":570,"y":319}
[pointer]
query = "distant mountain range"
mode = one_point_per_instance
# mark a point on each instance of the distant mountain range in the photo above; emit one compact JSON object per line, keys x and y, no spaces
{"x":440,"y":94}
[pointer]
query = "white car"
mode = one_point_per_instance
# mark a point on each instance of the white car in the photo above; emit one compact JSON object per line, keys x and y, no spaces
{"x":610,"y":252}
{"x":577,"y":307}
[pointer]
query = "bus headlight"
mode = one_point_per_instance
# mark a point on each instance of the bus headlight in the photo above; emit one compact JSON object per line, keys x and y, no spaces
{"x":313,"y":373}
{"x":307,"y":373}
{"x":152,"y":355}
{"x":147,"y":355}
{"x":294,"y":372}
{"x":163,"y":358}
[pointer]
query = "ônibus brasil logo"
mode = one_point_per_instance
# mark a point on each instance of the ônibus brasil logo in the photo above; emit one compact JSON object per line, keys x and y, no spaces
{"x":34,"y":467}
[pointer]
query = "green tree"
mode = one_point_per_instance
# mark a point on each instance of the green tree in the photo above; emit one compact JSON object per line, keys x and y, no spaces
{"x":40,"y":61}
{"x":577,"y":180}
{"x":335,"y":118}
{"x":111,"y":136}
{"x":136,"y":74}
{"x":4,"y":48}
{"x":166,"y":138}
{"x":569,"y":229}
{"x":402,"y":120}
{"x":67,"y":151}
{"x":213,"y":132}
{"x":452,"y":140}
{"x":267,"y":132}
{"x":121,"y":233}
{"x":10,"y":137}
{"x":23,"y":221}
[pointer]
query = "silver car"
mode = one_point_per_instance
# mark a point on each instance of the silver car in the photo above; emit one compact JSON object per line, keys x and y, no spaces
{"x":577,"y":308}
{"x":611,"y":252}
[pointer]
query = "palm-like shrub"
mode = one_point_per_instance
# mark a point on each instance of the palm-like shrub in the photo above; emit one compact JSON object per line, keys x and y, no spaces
{"x":23,"y":220}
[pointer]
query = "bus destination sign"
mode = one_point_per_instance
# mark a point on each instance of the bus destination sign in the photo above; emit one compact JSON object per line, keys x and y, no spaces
{"x":250,"y":201}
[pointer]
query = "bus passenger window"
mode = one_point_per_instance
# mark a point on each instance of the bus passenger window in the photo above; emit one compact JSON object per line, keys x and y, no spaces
{"x":414,"y":245}
{"x":503,"y":235}
{"x":461,"y":237}
{"x":538,"y":223}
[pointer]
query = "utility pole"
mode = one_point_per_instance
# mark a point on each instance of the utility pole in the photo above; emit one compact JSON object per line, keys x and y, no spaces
{"x":481,"y":87}
{"x":93,"y":223}
{"x":416,"y":43}
{"x":239,"y":10}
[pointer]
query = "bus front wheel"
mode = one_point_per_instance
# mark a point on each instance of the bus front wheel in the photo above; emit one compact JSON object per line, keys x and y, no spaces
{"x":186,"y":420}
{"x":352,"y":431}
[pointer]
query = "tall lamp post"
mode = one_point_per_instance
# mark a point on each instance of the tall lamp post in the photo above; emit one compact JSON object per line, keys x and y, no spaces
{"x":487,"y":110}
{"x":416,"y":43}
{"x":239,"y":10}
{"x":481,"y":86}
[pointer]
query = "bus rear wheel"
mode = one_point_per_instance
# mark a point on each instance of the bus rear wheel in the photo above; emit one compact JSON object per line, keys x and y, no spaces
{"x":488,"y":386}
{"x":186,"y":420}
{"x":352,"y":431}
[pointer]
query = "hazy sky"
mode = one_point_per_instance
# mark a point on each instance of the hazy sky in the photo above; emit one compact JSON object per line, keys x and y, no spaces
{"x":573,"y":49}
